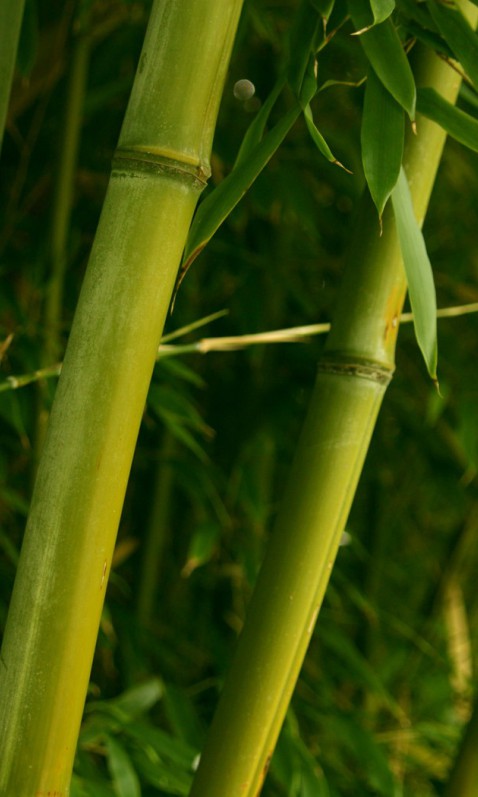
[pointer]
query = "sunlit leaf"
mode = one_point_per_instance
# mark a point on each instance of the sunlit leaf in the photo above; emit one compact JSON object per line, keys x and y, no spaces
{"x":457,"y":123}
{"x":421,"y":287}
{"x":384,"y":50}
{"x":382,"y":140}
{"x":381,"y":10}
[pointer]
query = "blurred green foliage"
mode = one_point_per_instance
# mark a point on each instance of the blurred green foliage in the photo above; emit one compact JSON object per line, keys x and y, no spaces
{"x":387,"y":684}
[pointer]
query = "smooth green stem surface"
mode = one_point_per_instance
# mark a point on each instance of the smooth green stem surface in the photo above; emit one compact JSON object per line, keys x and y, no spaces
{"x":59,"y":590}
{"x":358,"y":362}
{"x":11,"y":15}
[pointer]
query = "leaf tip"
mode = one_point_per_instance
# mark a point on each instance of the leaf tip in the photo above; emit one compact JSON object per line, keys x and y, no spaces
{"x":361,"y":31}
{"x":337,"y":163}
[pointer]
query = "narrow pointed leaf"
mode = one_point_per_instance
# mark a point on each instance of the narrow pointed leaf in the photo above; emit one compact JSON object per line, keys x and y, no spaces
{"x":255,"y":131}
{"x":458,"y":33}
{"x":384,"y":50}
{"x":220,"y":202}
{"x":381,"y":10}
{"x":421,"y":287}
{"x":382,"y":140}
{"x":125,"y":779}
{"x":304,"y":40}
{"x":457,"y":123}
{"x":318,"y":138}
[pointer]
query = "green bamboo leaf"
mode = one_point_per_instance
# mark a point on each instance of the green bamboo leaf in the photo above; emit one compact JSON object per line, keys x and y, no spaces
{"x":220,"y":202}
{"x":255,"y":131}
{"x":381,"y":10}
{"x":429,"y":38}
{"x":139,"y":699}
{"x":458,"y":33}
{"x":319,"y":140}
{"x":382,"y":140}
{"x":418,"y":269}
{"x":384,"y":50}
{"x":457,"y":123}
{"x":201,"y":548}
{"x":123,"y":774}
{"x":304,"y":42}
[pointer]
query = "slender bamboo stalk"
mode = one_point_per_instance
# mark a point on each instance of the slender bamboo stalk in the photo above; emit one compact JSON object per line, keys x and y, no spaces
{"x":352,"y":378}
{"x":160,"y":168}
{"x":60,"y":217}
{"x":11,"y":15}
{"x":64,"y":187}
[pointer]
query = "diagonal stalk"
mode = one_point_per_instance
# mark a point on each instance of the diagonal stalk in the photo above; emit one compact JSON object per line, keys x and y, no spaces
{"x":352,"y":378}
{"x":160,"y":167}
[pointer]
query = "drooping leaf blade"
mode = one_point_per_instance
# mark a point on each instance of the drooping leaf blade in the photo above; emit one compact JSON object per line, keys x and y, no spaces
{"x":255,"y":131}
{"x":318,"y":138}
{"x":385,"y":53}
{"x":460,"y":125}
{"x":458,"y":33}
{"x":421,"y":287}
{"x":223,"y":199}
{"x":304,"y":41}
{"x":382,"y":138}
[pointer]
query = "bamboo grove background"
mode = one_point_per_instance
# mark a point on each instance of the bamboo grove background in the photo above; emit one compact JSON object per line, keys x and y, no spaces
{"x":387,"y":686}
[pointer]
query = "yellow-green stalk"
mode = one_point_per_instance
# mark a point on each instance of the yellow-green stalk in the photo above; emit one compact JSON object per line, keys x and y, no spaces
{"x":352,"y":378}
{"x":160,"y":168}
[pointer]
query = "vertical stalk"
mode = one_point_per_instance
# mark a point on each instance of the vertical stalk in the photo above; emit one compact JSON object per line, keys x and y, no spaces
{"x":61,"y":216}
{"x":352,"y":378}
{"x":11,"y":14}
{"x":159,"y":170}
{"x":64,"y":189}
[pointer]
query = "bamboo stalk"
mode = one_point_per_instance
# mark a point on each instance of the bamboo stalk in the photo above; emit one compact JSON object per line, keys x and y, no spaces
{"x":64,"y":187}
{"x":352,"y":378}
{"x":11,"y":14}
{"x":160,"y":168}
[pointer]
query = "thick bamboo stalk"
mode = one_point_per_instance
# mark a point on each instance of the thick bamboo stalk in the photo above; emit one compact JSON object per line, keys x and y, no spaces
{"x":160,"y":168}
{"x":352,"y":378}
{"x":11,"y":14}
